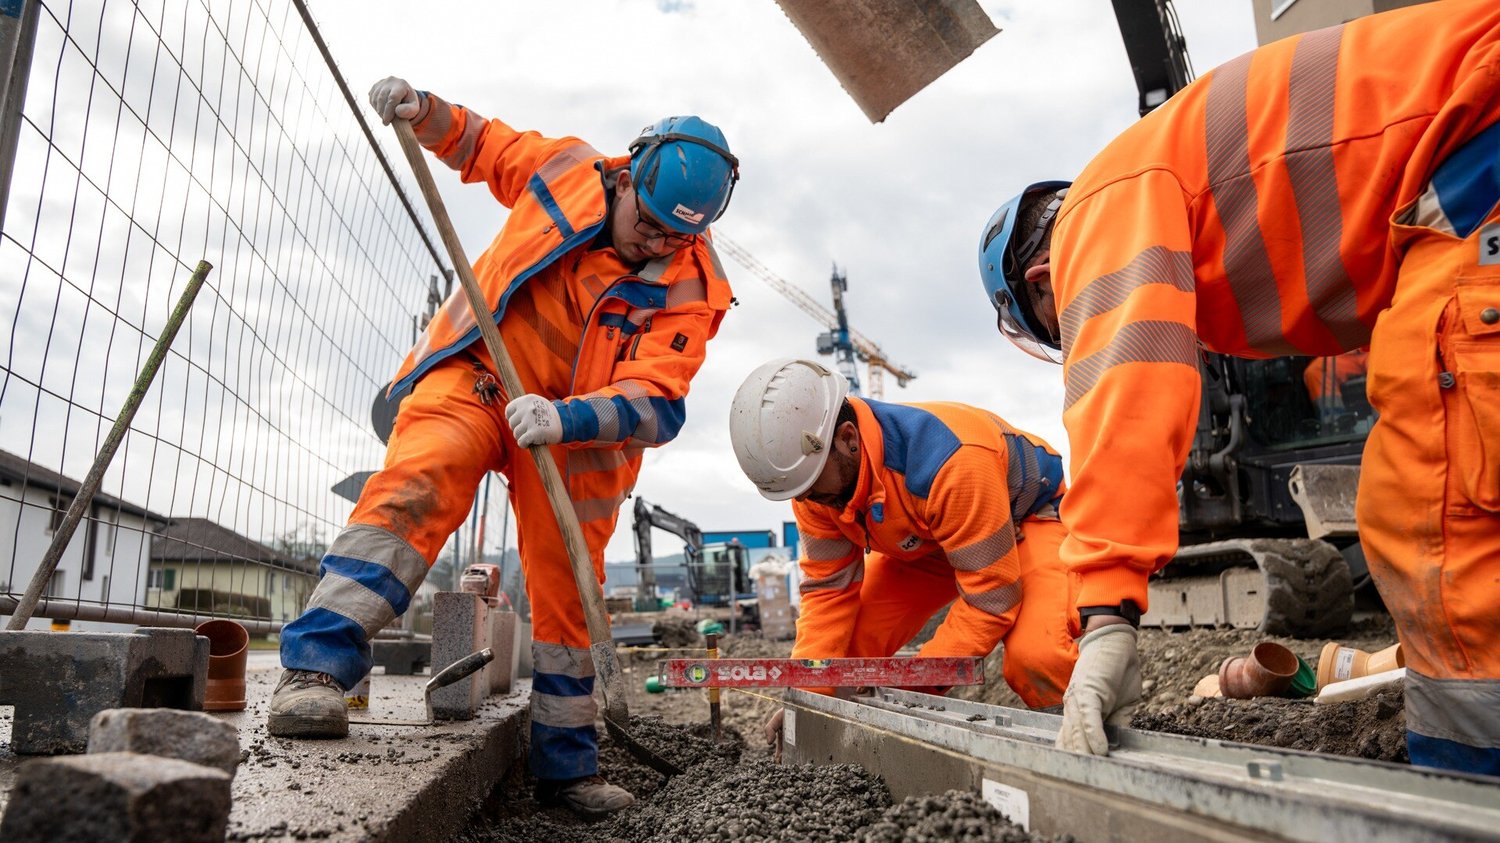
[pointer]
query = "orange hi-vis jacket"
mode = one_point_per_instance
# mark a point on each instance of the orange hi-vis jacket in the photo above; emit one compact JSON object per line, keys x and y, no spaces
{"x":939,"y":479}
{"x":1251,"y":212}
{"x":615,"y":347}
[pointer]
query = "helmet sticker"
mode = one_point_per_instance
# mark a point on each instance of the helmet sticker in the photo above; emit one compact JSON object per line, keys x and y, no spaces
{"x":687,"y":215}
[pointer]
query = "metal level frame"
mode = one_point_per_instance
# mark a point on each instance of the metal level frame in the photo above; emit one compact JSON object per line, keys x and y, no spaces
{"x":1155,"y":787}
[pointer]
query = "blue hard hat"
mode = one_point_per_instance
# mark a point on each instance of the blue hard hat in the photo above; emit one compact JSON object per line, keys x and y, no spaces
{"x":683,"y":172}
{"x":1002,"y":267}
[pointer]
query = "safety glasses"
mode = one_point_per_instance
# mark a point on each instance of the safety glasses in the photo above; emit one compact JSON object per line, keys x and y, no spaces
{"x":651,"y":230}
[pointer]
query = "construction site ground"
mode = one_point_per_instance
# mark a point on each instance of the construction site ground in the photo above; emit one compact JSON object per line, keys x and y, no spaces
{"x":440,"y":782}
{"x":735,"y":791}
{"x":382,"y":783}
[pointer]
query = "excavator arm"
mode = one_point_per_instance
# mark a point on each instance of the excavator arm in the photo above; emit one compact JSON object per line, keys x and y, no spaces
{"x":648,"y":516}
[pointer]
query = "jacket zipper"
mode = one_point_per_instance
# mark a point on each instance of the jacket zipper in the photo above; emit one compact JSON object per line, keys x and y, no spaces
{"x":859,"y":518}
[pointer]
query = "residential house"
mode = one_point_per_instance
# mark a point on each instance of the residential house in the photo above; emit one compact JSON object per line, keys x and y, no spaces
{"x":103,"y":565}
{"x":198,"y":566}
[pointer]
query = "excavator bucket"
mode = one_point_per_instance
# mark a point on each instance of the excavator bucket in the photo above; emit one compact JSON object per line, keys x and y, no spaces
{"x":884,"y":51}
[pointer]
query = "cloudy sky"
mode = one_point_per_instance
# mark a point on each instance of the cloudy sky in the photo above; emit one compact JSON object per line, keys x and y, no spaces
{"x":899,"y":205}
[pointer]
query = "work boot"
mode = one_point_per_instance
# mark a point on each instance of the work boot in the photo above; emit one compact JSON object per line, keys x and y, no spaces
{"x":590,"y":796}
{"x":307,"y":704}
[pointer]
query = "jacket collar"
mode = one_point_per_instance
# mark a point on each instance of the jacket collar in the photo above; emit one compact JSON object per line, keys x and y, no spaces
{"x":869,"y":491}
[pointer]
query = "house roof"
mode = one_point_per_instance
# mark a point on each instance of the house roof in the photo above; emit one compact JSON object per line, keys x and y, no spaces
{"x":201,"y":540}
{"x":18,"y":469}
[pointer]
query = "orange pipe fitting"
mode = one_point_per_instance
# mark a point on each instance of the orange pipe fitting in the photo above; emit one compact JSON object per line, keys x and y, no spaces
{"x":1337,"y":663}
{"x":1266,"y":672}
{"x":228,"y":643}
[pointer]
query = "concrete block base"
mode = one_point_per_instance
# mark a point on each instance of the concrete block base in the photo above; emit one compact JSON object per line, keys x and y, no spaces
{"x":402,"y":658}
{"x":117,"y":797}
{"x":57,"y":683}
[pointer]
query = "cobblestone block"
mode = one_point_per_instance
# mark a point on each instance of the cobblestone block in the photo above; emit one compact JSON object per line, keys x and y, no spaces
{"x":460,"y":626}
{"x":402,"y":658}
{"x":168,"y":733}
{"x":505,"y":640}
{"x":117,"y":797}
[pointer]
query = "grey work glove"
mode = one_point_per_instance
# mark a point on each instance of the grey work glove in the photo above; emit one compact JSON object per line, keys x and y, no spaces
{"x":392,"y":98}
{"x":1105,"y":688}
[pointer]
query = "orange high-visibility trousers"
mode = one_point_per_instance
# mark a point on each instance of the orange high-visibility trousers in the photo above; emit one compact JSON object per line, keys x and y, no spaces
{"x":445,"y":440}
{"x":897,"y":598}
{"x":1429,"y":493}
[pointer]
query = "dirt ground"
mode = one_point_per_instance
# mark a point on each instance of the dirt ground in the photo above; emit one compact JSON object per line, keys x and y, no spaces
{"x":1173,"y":662}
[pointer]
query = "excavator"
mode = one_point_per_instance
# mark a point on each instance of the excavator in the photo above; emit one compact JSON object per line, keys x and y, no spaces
{"x":1266,"y":502}
{"x":716,"y":573}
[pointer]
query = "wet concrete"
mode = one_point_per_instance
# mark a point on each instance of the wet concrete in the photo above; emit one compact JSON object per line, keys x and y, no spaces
{"x":380,"y":783}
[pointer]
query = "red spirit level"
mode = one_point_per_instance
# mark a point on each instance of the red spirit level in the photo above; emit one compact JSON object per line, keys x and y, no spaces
{"x":821,"y":673}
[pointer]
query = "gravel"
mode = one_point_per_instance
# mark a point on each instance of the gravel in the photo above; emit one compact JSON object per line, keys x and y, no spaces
{"x":721,"y":799}
{"x":954,"y":815}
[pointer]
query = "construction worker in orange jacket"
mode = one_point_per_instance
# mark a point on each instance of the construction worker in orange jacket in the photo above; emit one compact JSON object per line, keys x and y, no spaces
{"x":1325,"y":377}
{"x":606,"y":290}
{"x":1310,"y":197}
{"x":904,"y":508}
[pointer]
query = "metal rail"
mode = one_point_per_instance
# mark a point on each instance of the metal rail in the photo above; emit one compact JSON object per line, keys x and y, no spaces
{"x":65,"y":609}
{"x":1152,"y":787}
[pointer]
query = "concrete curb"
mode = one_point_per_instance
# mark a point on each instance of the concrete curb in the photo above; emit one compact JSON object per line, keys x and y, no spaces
{"x":382,"y":783}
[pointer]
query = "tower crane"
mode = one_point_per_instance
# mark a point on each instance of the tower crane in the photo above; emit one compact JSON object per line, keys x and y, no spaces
{"x":840,"y":340}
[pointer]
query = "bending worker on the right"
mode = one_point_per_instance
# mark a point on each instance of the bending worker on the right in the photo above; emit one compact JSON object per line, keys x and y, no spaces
{"x":1326,"y":192}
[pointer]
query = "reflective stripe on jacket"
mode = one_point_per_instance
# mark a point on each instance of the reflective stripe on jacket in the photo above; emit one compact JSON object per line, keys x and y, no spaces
{"x":1251,"y":212}
{"x":935,"y":479}
{"x":643,"y":336}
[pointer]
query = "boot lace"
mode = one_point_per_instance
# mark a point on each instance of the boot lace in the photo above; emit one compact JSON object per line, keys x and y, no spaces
{"x":299,"y":680}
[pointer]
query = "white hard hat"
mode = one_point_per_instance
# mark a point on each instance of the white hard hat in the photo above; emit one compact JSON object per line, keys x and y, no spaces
{"x":781,"y":424}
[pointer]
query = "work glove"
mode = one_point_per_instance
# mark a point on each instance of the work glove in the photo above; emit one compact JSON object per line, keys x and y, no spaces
{"x":392,"y":98}
{"x":1105,"y":688}
{"x":535,"y":421}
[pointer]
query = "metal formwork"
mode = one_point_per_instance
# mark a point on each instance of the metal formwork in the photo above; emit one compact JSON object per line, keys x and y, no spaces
{"x":1155,"y":787}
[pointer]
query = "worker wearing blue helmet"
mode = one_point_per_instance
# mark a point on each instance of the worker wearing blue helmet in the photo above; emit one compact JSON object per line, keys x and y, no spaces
{"x":606,"y":291}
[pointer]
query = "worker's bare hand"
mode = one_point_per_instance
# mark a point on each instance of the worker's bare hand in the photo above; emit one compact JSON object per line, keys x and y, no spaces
{"x":1106,"y":687}
{"x":773,"y":727}
{"x":534,"y":420}
{"x":392,"y":98}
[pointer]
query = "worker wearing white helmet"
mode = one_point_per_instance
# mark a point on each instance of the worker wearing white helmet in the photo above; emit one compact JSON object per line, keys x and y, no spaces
{"x":905,"y":508}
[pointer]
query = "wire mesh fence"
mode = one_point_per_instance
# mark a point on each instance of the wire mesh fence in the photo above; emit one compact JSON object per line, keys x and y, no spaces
{"x":153,"y":135}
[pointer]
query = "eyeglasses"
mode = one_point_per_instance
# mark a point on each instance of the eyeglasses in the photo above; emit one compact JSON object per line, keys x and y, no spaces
{"x":651,"y":231}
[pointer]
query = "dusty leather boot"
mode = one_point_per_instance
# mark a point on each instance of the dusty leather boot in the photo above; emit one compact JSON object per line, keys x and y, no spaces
{"x":307,"y":704}
{"x":590,"y":796}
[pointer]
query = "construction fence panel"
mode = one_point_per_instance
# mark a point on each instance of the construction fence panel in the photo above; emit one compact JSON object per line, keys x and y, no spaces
{"x":153,"y":135}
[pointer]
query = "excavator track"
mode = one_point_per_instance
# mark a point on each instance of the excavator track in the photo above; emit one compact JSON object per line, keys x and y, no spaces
{"x":1295,"y":587}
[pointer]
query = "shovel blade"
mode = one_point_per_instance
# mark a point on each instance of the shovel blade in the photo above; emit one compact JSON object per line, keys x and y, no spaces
{"x":609,"y":677}
{"x":884,"y":51}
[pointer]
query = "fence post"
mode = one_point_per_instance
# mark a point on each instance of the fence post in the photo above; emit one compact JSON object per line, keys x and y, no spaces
{"x":17,"y":37}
